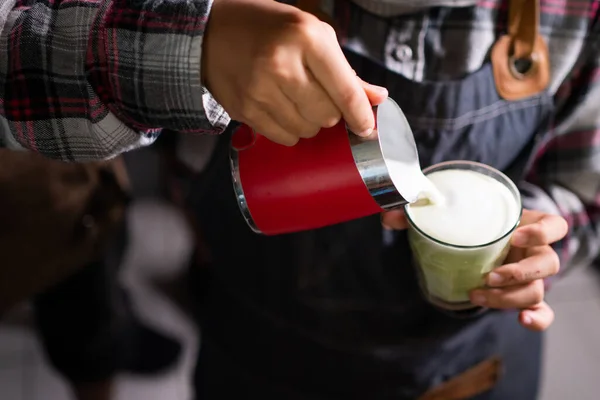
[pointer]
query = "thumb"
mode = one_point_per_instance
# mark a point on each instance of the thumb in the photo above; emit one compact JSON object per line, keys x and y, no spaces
{"x":376,"y":94}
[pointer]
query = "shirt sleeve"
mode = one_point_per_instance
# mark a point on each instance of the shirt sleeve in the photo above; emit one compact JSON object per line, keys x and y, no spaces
{"x":89,"y":79}
{"x":565,"y":179}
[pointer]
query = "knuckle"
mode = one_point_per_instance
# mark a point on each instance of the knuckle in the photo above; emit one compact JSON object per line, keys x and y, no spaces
{"x":313,"y":33}
{"x":328,"y":30}
{"x":278,"y":65}
{"x":289,"y":140}
{"x":280,"y":137}
{"x":310,"y":28}
{"x":306,"y":27}
{"x":320,"y":110}
{"x":517,"y":275}
{"x":540,"y":233}
{"x":330,"y":122}
{"x":309,"y":132}
{"x":350,"y":96}
{"x":331,"y":118}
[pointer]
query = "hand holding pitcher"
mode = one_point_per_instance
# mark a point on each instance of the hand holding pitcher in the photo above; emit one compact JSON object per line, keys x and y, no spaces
{"x":282,"y":72}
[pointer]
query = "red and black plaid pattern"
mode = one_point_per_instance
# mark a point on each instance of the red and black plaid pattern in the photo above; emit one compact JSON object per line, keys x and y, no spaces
{"x":88,"y":79}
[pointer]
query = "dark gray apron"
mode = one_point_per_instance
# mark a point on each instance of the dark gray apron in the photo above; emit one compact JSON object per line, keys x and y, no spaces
{"x":336,"y":313}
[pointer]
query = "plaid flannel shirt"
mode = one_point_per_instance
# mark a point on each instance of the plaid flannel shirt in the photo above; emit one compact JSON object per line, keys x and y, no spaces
{"x":88,"y":79}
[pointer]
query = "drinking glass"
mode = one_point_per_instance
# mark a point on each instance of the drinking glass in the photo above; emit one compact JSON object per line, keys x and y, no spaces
{"x":448,"y":272}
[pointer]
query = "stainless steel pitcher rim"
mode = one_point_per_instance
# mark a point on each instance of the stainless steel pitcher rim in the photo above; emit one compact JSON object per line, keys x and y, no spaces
{"x":397,"y":144}
{"x":239,"y":190}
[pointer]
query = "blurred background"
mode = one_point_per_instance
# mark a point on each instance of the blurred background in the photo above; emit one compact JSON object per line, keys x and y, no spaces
{"x":160,"y":247}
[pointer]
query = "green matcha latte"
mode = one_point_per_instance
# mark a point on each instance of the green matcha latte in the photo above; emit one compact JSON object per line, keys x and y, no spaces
{"x":465,"y":233}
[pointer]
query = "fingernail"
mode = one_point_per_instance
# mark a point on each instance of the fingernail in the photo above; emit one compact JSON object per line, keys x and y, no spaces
{"x":519,"y":239}
{"x":478,"y":298}
{"x":380,"y":90}
{"x":527,"y":320}
{"x":494,"y":279}
{"x":366,"y":132}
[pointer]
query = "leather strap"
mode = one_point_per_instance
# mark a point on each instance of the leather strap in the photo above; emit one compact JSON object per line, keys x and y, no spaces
{"x":520,"y":58}
{"x":523,"y":19}
{"x":472,"y":382}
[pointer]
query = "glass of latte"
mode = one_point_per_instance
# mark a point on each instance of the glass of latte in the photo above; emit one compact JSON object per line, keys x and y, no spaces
{"x":462,"y":231}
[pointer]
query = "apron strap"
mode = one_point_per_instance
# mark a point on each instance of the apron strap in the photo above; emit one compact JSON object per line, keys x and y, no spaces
{"x":520,"y":58}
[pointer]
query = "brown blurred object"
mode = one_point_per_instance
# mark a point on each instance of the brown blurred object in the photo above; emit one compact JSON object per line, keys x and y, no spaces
{"x":54,"y":218}
{"x":94,"y":391}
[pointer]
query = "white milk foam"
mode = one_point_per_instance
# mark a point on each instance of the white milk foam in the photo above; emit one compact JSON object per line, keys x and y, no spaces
{"x":476,"y":209}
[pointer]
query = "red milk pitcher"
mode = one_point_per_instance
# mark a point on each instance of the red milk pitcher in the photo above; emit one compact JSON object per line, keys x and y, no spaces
{"x":332,"y":178}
